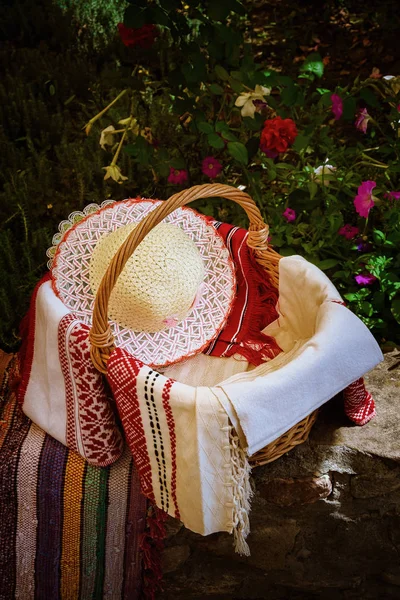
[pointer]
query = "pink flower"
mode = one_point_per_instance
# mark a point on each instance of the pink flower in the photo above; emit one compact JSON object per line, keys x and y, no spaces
{"x":211,"y":167}
{"x":289,"y":214}
{"x":398,"y":108}
{"x":392,"y":195}
{"x":348,"y":231}
{"x":177,"y":176}
{"x":337,"y":106}
{"x":363,"y":202}
{"x":365,"y":279}
{"x":362,"y":119}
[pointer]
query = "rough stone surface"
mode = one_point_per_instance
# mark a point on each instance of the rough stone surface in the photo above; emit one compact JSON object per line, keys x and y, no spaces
{"x":305,"y":490}
{"x":325,"y":519}
{"x":381,"y":435}
{"x":173,"y":557}
{"x":373,"y":486}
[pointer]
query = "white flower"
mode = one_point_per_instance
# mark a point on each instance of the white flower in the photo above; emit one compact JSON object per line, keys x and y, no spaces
{"x":393,"y":82}
{"x":245,"y":100}
{"x":326,"y":171}
{"x":107,"y":137}
{"x":134,"y":126}
{"x":114,"y":172}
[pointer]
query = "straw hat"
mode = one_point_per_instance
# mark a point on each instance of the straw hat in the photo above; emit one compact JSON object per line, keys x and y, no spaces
{"x":175,"y":292}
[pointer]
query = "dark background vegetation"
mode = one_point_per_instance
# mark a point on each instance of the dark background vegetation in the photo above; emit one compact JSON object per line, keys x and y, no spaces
{"x":58,"y":69}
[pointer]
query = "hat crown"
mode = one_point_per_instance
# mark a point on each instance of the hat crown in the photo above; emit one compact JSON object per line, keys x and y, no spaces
{"x":159,"y":282}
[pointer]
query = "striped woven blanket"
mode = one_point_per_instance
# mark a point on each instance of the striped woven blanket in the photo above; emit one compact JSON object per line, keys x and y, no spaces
{"x":68,"y":530}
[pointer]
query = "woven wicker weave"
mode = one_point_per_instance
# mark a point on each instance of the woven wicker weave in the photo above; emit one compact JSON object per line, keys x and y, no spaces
{"x":101,"y":336}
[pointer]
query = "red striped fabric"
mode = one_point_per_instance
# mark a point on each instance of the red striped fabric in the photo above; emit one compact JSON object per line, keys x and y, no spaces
{"x":254,"y":307}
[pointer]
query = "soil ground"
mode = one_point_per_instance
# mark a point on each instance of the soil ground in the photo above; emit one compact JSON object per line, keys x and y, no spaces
{"x":352,"y":37}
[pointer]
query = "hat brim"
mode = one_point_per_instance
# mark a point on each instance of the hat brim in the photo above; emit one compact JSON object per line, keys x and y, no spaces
{"x":70,"y":279}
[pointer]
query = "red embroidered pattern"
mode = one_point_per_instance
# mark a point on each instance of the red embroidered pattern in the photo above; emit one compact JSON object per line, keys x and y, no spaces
{"x":358,"y":403}
{"x":91,"y":428}
{"x":122,"y":372}
{"x":172,"y":435}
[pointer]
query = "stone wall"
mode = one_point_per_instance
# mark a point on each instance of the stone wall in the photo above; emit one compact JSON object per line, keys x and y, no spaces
{"x":325,"y":518}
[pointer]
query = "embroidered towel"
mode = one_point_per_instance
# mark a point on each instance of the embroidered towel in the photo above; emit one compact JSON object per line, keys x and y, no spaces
{"x":60,"y":389}
{"x":189,"y":462}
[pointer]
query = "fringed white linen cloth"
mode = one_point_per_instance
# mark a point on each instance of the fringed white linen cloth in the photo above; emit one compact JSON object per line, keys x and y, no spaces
{"x":189,"y":459}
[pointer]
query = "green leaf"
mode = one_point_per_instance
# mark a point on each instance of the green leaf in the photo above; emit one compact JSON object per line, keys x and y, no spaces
{"x":349,"y":108}
{"x":379,"y":236}
{"x":367,"y":308}
{"x":326,"y":99}
{"x":253,"y":124}
{"x":239,"y":152}
{"x":215,"y":140}
{"x":351,"y":297}
{"x":378,"y":301}
{"x":158,"y":16}
{"x":177,"y":163}
{"x":221,"y":126}
{"x":221,"y":73}
{"x":219,"y":11}
{"x":313,"y":64}
{"x":229,"y":136}
{"x":289,"y":95}
{"x":205,"y":127}
{"x":135,"y":16}
{"x":252,"y":146}
{"x":369,"y":97}
{"x":162,"y":169}
{"x":140,"y":150}
{"x":301,"y":142}
{"x":395,"y":308}
{"x":169,"y":5}
{"x":328,"y":263}
{"x":287,"y":251}
{"x":237,"y":86}
{"x":312,"y":188}
{"x":216,"y":89}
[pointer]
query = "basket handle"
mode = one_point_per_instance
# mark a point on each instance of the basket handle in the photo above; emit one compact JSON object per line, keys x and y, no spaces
{"x":101,"y":338}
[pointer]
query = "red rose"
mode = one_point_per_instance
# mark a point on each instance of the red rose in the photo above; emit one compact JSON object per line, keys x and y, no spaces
{"x":139,"y":36}
{"x":278,"y":134}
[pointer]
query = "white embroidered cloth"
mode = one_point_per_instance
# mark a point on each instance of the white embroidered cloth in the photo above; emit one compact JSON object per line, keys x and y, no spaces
{"x":187,"y":457}
{"x":61,"y":391}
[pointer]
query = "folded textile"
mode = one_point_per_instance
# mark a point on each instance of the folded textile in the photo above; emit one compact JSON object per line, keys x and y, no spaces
{"x":189,"y":461}
{"x":325,"y":348}
{"x":60,"y":389}
{"x":254,"y":309}
{"x":68,"y":529}
{"x":358,"y":403}
{"x":254,"y":305}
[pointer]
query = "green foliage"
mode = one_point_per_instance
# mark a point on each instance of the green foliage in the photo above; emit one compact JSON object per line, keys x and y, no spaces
{"x":49,"y":167}
{"x":183,"y":91}
{"x":192,"y":112}
{"x":96,"y":20}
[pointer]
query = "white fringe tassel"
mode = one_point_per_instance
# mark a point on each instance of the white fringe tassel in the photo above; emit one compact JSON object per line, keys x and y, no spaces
{"x":242,"y":494}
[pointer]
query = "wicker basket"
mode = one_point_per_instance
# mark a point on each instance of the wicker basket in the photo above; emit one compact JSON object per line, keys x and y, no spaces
{"x":100,"y":335}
